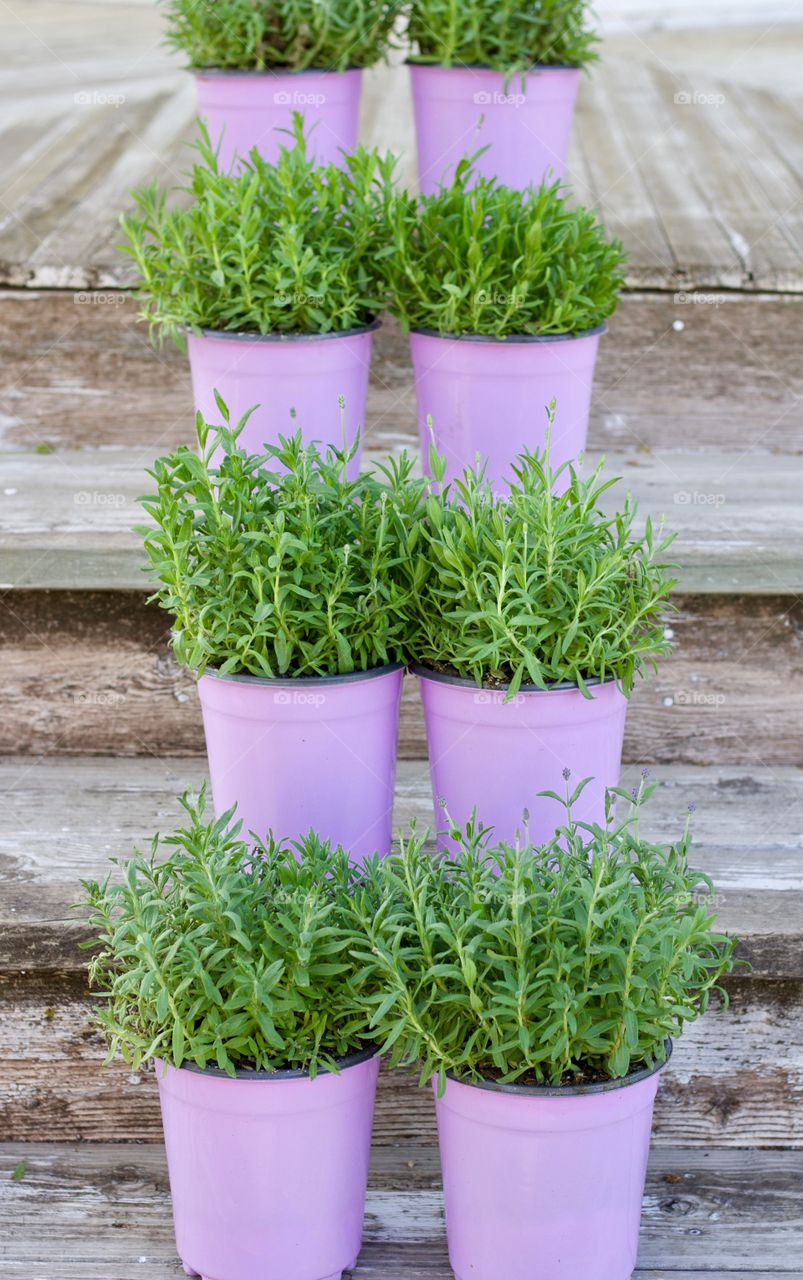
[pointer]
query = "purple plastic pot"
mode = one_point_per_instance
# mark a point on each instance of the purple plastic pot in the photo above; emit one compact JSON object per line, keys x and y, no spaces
{"x":306,"y":753}
{"x":268,"y":1171}
{"x":496,"y":755}
{"x":545,"y":1184}
{"x":296,"y":379}
{"x":527,"y":130}
{"x":247,"y":109}
{"x":487,"y":396}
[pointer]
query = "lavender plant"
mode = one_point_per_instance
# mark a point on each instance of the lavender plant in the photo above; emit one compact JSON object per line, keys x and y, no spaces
{"x":565,"y":964}
{"x":477,"y":257}
{"x":220,"y":953}
{"x":276,"y":564}
{"x":292,"y":35}
{"x":537,"y":587}
{"x":506,"y":35}
{"x":290,"y":247}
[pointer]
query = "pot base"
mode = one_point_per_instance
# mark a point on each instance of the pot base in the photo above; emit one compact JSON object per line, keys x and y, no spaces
{"x":336,"y":1275}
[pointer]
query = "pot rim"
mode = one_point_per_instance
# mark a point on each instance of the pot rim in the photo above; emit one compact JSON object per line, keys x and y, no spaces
{"x":512,"y":339}
{"x":277,"y":73}
{"x":234,"y":335}
{"x":442,"y":677}
{"x":483,"y":66}
{"x":350,"y":1060}
{"x":292,"y":682}
{"x":567,"y":1090}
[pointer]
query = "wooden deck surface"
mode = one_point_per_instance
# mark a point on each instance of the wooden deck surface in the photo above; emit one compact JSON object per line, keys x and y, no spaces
{"x":693,"y":159}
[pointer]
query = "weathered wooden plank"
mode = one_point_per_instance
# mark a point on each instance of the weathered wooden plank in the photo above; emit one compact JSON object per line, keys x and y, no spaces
{"x":84,"y":123}
{"x":108,"y":1209}
{"x":89,"y":672}
{"x":729,"y":380}
{"x":735,"y":1079}
{"x":66,"y":518}
{"x":64,"y":818}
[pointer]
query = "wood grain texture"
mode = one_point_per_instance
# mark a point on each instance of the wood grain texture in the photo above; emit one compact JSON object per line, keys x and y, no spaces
{"x":107,"y":1209}
{"x":735,"y":1079}
{"x":64,"y":819}
{"x":93,"y":105}
{"x":89,"y":672}
{"x":730,"y":380}
{"x":66,"y":519}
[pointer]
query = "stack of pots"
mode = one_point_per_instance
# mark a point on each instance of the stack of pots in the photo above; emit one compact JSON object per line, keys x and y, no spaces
{"x":540,"y":1184}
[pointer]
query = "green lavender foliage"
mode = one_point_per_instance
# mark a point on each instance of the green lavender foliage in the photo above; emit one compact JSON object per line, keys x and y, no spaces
{"x":476,"y":257}
{"x":293,"y":35}
{"x":276,"y":564}
{"x":552,"y":965}
{"x":538,"y":588}
{"x":506,"y":35}
{"x":290,"y":247}
{"x":215,"y":952}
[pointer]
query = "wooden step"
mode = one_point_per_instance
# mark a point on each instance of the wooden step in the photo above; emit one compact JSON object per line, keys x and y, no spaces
{"x":90,"y":672}
{"x":687,"y":143}
{"x":728,"y":378}
{"x":65,"y":818}
{"x":735,"y":1079}
{"x":66,"y":518}
{"x":102,"y":1212}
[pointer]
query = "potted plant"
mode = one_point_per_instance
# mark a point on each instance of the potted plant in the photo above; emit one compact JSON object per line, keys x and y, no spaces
{"x":273,"y":274}
{"x":502,"y":77}
{"x":533,"y":615}
{"x":232,"y":969}
{"x":289,"y":598}
{"x":505,"y":294}
{"x":539,"y":987}
{"x":257,"y":61}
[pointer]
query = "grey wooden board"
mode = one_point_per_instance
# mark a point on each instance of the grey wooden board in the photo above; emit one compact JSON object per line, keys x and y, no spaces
{"x":91,"y":672}
{"x":63,"y":820}
{"x":735,"y":1078}
{"x":77,"y":371}
{"x":66,"y":518}
{"x":692,"y":124}
{"x":104,"y":1211}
